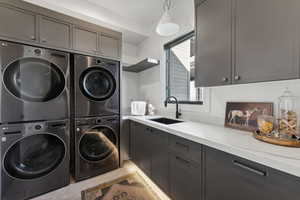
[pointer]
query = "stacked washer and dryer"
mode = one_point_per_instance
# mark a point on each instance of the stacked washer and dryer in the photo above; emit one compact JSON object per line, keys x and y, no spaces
{"x":34,"y":117}
{"x":46,"y":120}
{"x":96,"y":116}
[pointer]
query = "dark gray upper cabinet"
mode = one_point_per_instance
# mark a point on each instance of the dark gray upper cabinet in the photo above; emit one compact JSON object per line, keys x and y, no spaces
{"x":31,"y":24}
{"x":17,"y":24}
{"x":109,"y":46}
{"x":85,"y":40}
{"x":267,"y":40}
{"x":213,"y":43}
{"x":55,"y":33}
{"x":245,"y":41}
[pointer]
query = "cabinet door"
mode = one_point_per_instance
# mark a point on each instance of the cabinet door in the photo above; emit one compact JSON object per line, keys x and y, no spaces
{"x":267,"y":40}
{"x":17,"y":24}
{"x":283,"y":186}
{"x":140,"y":147}
{"x":159,"y":159}
{"x":55,"y":33}
{"x":213,"y":43}
{"x":125,"y":140}
{"x":229,"y":177}
{"x":109,"y":46}
{"x":185,"y":178}
{"x":85,"y":40}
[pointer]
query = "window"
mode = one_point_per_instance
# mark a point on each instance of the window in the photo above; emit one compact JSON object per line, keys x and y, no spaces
{"x":181,"y":70}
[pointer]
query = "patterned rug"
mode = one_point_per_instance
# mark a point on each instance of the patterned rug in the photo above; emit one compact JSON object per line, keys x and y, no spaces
{"x":130,"y":187}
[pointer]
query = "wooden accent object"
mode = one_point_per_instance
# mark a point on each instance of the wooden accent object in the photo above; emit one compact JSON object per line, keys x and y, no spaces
{"x":276,"y":141}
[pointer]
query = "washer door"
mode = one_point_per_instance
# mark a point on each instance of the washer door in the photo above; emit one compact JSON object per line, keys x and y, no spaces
{"x":97,"y":84}
{"x":34,"y":156}
{"x":34,"y":79}
{"x":97,"y":144}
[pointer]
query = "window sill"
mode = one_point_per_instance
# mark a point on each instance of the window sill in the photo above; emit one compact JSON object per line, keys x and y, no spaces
{"x":187,"y":102}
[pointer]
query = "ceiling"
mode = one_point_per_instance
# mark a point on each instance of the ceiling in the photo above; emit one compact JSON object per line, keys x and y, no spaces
{"x":136,"y":19}
{"x":141,"y":11}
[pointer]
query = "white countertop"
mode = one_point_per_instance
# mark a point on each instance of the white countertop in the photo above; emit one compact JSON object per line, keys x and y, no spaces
{"x":239,"y":143}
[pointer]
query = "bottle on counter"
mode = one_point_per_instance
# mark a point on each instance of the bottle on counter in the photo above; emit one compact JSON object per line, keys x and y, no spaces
{"x":288,"y":114}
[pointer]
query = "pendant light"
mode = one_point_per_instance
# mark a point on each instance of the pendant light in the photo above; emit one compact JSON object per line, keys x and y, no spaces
{"x":166,"y":27}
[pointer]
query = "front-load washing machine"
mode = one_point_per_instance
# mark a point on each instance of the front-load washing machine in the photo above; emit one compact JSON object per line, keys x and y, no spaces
{"x":95,"y":148}
{"x":96,"y":86}
{"x":34,"y":158}
{"x":34,"y":83}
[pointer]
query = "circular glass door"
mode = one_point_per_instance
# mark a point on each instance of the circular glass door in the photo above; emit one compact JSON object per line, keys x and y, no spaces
{"x":97,"y":144}
{"x":97,"y":84}
{"x":34,"y":80}
{"x":34,"y":156}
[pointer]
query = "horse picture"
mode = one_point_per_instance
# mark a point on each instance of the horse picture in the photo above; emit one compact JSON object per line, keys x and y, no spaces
{"x":243,"y":115}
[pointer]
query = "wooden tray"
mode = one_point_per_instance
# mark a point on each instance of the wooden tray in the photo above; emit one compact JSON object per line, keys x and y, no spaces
{"x":277,"y":141}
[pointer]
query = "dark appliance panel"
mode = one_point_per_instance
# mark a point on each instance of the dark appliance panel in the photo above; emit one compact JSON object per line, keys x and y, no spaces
{"x":96,"y":146}
{"x":34,"y":155}
{"x":96,"y":82}
{"x":35,"y":83}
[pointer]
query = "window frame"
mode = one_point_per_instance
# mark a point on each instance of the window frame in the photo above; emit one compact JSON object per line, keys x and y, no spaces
{"x":167,"y":48}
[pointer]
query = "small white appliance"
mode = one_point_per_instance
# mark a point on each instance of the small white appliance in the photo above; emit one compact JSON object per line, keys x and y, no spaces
{"x":138,"y":108}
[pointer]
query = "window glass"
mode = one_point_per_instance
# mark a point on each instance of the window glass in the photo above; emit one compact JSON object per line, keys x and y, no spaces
{"x":181,"y":70}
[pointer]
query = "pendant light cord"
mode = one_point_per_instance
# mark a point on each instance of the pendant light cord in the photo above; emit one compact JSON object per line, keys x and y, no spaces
{"x":167,"y":5}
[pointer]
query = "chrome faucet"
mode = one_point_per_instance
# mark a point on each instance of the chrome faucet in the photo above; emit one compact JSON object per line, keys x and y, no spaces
{"x":176,"y":101}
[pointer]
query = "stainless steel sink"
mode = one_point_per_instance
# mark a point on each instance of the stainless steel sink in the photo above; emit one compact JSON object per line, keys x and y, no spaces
{"x":166,"y":121}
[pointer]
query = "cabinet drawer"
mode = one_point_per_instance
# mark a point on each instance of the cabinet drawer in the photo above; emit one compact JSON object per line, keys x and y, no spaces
{"x":185,"y":178}
{"x":187,"y":148}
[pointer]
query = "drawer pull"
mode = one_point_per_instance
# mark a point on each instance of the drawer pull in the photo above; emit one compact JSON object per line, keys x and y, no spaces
{"x":258,"y":172}
{"x":182,"y":146}
{"x":183,"y":161}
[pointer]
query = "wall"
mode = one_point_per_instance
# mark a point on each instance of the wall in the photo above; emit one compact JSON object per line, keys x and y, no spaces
{"x":152,"y":81}
{"x":130,"y":86}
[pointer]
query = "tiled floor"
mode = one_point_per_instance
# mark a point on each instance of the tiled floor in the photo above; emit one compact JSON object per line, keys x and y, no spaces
{"x":73,"y":191}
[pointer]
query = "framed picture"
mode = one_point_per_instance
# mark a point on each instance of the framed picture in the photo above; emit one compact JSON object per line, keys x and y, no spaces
{"x":243,"y":115}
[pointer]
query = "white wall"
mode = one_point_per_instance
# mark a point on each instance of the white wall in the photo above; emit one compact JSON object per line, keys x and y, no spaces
{"x":152,"y":81}
{"x":130,"y":86}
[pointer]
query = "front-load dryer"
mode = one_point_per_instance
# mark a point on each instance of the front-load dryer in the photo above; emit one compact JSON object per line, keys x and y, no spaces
{"x":34,"y":158}
{"x":95,"y":148}
{"x":34,"y":83}
{"x":96,"y":85}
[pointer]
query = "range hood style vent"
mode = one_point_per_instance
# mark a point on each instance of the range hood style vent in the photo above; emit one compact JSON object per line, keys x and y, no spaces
{"x":141,"y":66}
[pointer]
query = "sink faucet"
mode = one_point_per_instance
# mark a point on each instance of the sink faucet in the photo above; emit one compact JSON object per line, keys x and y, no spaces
{"x":176,"y":101}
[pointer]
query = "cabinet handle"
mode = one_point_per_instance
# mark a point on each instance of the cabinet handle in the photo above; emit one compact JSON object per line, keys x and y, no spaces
{"x":182,"y":146}
{"x":184,"y":161}
{"x":44,"y":40}
{"x":243,"y":166}
{"x":32,"y":37}
{"x":224,"y":79}
{"x":237,"y":78}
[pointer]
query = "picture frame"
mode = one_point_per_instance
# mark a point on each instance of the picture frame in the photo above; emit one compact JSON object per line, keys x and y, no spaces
{"x":243,"y":115}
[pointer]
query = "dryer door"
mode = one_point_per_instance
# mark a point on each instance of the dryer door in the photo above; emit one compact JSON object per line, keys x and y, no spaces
{"x":97,"y":144}
{"x":97,"y":83}
{"x":34,"y":79}
{"x":34,"y":156}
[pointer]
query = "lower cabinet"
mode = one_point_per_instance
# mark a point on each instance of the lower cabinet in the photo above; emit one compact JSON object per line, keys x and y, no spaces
{"x":186,"y":170}
{"x":185,"y":178}
{"x":159,"y":159}
{"x":170,"y":162}
{"x":230,"y":177}
{"x":140,"y":147}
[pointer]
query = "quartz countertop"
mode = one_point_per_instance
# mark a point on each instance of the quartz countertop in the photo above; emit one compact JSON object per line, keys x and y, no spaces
{"x":239,"y":143}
